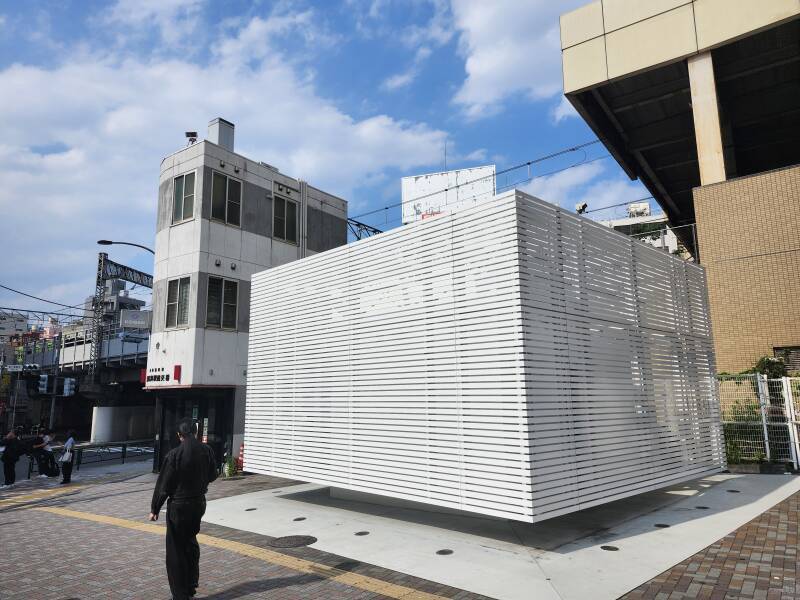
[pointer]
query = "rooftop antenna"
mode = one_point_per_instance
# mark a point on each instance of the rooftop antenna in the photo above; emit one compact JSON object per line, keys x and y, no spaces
{"x":191,"y":136}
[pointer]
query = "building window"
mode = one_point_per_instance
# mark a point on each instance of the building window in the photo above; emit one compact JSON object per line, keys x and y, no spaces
{"x":183,"y":198}
{"x":226,"y":199}
{"x":178,"y":302}
{"x":222,"y":301}
{"x":285,"y":220}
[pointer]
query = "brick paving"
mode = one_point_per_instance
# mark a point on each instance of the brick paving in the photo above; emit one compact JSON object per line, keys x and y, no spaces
{"x":50,"y":556}
{"x":757,"y":561}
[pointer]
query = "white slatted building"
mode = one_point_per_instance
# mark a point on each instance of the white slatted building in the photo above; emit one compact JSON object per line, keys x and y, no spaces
{"x":510,"y":359}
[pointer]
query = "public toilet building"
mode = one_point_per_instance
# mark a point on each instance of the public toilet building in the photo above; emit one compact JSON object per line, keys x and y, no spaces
{"x":510,"y":359}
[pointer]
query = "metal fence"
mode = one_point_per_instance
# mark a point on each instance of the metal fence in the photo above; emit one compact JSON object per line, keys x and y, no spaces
{"x":760,"y":418}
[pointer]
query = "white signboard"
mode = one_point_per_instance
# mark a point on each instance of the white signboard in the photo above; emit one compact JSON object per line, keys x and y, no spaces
{"x":436,"y":193}
{"x":135,"y":318}
{"x":13,"y":368}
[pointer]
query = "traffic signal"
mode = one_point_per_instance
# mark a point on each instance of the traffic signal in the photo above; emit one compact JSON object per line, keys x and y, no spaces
{"x":43,"y":384}
{"x":69,"y":386}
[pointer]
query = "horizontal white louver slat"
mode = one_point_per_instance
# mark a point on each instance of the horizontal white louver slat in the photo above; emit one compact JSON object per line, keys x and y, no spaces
{"x":510,"y":359}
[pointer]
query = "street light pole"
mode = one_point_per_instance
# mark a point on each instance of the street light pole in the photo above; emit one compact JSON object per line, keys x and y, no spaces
{"x":110,"y":243}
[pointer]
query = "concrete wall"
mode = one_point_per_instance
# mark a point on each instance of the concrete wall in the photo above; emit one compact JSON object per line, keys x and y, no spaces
{"x":613,"y":38}
{"x":748,"y":236}
{"x":200,"y":248}
{"x":119,"y":423}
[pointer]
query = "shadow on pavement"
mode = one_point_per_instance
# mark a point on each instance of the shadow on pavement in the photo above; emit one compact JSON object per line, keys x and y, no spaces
{"x":261,"y":585}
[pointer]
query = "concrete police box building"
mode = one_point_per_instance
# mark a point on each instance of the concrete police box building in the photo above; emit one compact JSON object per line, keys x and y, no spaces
{"x":221,"y":218}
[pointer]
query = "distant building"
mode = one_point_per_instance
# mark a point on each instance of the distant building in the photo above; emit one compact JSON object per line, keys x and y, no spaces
{"x":651,"y":229}
{"x":432,"y":194}
{"x":700,"y":101}
{"x":11,"y":325}
{"x":221,"y":218}
{"x":116,"y":298}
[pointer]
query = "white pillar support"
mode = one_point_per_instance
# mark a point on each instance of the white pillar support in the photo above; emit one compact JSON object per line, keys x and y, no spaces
{"x":707,"y":131}
{"x":763,"y":401}
{"x":791,"y":422}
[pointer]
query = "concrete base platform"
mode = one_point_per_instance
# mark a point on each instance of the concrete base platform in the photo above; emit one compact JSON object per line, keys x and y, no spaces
{"x":558,"y":558}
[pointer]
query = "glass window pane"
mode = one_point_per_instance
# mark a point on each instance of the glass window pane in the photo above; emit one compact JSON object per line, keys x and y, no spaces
{"x":218,"y":197}
{"x":172,"y":312}
{"x":234,"y":201}
{"x":279,"y":227}
{"x":188,"y":196}
{"x":234,"y":190}
{"x":214,"y":309}
{"x":183,"y":302}
{"x":280,"y":208}
{"x":229,"y":307}
{"x":231,"y":291}
{"x":177,"y":200}
{"x":229,"y":316}
{"x":172,"y":291}
{"x":188,"y":186}
{"x":188,"y":206}
{"x":291,"y":221}
{"x":234,"y":210}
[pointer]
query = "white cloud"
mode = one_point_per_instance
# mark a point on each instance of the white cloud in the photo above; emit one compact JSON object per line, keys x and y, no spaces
{"x":510,"y":48}
{"x":176,"y":20}
{"x":560,"y":188}
{"x":115,"y":118}
{"x":587,"y":183}
{"x":405,"y":78}
{"x":563,"y":110}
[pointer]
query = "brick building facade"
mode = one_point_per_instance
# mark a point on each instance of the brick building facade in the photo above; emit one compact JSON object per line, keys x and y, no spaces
{"x":748,"y":232}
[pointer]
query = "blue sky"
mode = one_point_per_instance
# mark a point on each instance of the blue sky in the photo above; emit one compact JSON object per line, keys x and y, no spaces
{"x":348,"y":95}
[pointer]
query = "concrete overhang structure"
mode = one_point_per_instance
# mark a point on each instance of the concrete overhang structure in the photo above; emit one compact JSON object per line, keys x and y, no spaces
{"x":687,"y":92}
{"x":700,"y":100}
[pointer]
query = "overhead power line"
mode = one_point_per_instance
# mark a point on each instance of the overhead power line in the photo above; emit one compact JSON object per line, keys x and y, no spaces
{"x":40,"y":299}
{"x":29,"y":311}
{"x":492,"y":176}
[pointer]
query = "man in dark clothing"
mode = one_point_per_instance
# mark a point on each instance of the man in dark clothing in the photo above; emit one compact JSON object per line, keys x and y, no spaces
{"x":185,"y":474}
{"x":13,"y":450}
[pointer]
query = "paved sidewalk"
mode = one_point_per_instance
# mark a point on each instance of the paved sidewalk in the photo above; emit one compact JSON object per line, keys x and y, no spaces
{"x":99,"y":545}
{"x":757,"y":561}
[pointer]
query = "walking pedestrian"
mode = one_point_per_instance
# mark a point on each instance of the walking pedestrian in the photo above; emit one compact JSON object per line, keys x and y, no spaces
{"x":68,"y":457}
{"x":11,"y":454}
{"x":185,"y":474}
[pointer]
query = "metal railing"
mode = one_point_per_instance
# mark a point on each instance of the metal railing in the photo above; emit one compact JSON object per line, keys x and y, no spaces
{"x":88,"y":453}
{"x":761,"y":418}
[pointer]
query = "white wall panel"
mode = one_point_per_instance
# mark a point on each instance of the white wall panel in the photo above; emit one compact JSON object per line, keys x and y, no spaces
{"x":510,"y":359}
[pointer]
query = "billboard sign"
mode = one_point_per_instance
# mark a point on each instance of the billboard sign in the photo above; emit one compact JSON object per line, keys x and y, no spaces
{"x":425,"y":196}
{"x":139,"y":319}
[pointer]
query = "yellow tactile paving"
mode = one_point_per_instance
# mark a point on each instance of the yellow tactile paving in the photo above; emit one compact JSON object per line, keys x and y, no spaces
{"x":363,"y":582}
{"x":38,"y":495}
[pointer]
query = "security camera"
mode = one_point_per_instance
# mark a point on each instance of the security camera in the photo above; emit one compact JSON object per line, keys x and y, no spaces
{"x":581,"y":207}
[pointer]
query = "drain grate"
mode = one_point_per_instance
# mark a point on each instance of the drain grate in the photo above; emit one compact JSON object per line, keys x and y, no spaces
{"x":293,"y":541}
{"x":249,"y":509}
{"x":361,"y":533}
{"x":661,"y":525}
{"x":444,"y":552}
{"x":609,"y":548}
{"x":733,"y":491}
{"x":299,"y":519}
{"x":701,"y":507}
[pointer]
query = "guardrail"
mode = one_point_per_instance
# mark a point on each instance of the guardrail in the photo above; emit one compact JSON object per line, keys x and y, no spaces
{"x":100,"y":452}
